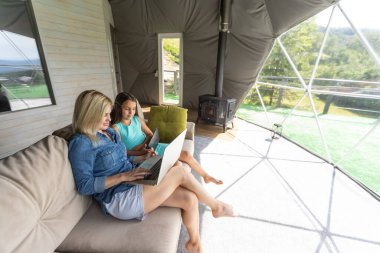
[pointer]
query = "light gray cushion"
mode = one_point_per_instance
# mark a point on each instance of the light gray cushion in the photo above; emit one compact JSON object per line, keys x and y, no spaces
{"x":188,"y":145}
{"x":39,"y":203}
{"x":96,"y":232}
{"x":190,"y":131}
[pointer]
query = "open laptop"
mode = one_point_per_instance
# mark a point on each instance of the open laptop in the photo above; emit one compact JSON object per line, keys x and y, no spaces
{"x":159,"y":165}
{"x":154,"y":143}
{"x":154,"y":140}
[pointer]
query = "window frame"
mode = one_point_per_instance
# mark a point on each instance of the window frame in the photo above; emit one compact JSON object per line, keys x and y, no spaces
{"x":33,"y":23}
{"x":36,"y":36}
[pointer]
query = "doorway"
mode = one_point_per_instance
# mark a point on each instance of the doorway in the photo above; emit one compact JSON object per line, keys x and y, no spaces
{"x":170,"y":68}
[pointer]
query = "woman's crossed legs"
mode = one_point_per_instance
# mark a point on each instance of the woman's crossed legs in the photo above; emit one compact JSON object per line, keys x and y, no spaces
{"x":180,"y":189}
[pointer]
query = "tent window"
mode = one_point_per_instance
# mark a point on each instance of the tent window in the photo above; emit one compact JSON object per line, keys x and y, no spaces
{"x":320,"y":87}
{"x":24,"y":80}
{"x":170,"y":68}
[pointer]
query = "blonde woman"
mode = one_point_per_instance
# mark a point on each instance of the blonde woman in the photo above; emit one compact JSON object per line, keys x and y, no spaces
{"x":101,"y":168}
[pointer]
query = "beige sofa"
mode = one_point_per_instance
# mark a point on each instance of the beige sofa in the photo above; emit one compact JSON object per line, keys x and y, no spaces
{"x":41,"y":211}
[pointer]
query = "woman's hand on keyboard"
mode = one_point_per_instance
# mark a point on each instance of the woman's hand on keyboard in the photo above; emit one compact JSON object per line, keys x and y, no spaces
{"x":135,"y":174}
{"x":139,"y":159}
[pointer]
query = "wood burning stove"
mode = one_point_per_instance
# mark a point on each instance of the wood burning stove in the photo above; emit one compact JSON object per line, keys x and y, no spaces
{"x":216,"y":110}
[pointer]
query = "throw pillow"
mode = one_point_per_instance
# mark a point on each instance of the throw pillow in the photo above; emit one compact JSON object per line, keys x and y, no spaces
{"x":64,"y":132}
{"x":169,"y":120}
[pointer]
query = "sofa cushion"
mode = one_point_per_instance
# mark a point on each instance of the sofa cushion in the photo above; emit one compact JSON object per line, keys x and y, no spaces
{"x":170,"y":121}
{"x":188,"y":145}
{"x":39,"y":204}
{"x":96,"y":232}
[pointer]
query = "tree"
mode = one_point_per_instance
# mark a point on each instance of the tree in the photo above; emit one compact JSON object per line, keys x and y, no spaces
{"x":301,"y":45}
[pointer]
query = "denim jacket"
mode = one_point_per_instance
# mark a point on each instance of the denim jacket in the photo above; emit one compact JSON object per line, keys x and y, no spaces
{"x":92,"y":162}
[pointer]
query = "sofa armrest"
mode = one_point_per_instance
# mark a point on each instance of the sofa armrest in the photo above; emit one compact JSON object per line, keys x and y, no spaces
{"x":190,"y":130}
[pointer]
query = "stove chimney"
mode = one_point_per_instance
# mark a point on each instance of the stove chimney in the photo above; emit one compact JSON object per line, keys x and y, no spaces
{"x":225,"y":14}
{"x":214,"y":108}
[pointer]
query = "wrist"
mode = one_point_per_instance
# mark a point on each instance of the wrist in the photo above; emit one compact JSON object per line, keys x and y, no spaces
{"x":122,"y":177}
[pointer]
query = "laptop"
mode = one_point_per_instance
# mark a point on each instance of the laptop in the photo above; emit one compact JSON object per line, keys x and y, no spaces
{"x":159,"y":148}
{"x":154,"y":140}
{"x":160,"y":165}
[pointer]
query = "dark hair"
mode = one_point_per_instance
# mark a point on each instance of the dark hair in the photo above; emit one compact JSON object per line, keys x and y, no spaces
{"x":116,"y":114}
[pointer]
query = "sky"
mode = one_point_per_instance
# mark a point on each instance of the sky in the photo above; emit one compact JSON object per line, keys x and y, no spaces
{"x":363,"y":13}
{"x":25,"y":44}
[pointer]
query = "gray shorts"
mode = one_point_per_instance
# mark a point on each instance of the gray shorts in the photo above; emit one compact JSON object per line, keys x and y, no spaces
{"x":127,"y":205}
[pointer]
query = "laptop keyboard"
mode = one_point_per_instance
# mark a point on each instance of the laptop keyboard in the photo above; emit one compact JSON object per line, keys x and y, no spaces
{"x":155,"y":170}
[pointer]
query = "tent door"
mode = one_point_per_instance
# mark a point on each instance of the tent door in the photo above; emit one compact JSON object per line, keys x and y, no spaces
{"x":170,"y":68}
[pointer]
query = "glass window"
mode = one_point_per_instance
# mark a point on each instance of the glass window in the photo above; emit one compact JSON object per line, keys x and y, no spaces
{"x":321,"y":84}
{"x":170,"y":68}
{"x":24,"y":80}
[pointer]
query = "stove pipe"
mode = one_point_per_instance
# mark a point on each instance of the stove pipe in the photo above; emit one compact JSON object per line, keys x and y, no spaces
{"x":225,"y":13}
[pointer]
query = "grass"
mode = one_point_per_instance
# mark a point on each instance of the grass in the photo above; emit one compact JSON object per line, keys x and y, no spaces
{"x":171,"y":98}
{"x":342,"y":129}
{"x":27,"y":92}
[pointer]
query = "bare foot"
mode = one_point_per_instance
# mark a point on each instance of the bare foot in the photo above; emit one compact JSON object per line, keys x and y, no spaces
{"x":224,"y":210}
{"x":209,"y":179}
{"x":194,"y":247}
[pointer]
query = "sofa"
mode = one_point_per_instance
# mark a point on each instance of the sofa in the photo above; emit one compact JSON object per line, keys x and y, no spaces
{"x":41,"y":210}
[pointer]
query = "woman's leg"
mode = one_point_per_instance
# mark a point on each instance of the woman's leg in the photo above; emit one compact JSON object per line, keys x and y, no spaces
{"x":155,"y":196}
{"x":188,"y":202}
{"x":186,"y":157}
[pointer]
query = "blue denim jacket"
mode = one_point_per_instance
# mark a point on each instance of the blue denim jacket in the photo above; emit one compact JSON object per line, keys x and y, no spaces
{"x":92,"y":162}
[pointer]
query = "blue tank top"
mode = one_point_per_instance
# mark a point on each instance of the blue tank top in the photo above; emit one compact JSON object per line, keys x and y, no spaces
{"x":131,"y":135}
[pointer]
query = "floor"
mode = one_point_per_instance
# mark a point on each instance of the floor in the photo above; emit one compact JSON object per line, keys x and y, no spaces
{"x":288,"y":199}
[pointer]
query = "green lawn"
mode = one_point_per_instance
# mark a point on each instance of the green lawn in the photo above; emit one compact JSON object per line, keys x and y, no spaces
{"x":26,"y":91}
{"x":171,"y":98}
{"x":341,"y":131}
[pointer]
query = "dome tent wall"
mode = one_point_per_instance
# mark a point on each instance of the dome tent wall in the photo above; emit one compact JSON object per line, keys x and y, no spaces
{"x":254,"y":26}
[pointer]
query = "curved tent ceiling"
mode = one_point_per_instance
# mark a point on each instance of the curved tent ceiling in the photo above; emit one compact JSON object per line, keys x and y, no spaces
{"x":254,"y":25}
{"x":14,"y":18}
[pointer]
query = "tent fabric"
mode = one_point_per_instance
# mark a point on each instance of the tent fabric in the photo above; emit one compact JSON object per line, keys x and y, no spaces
{"x":14,"y":17}
{"x":254,"y":26}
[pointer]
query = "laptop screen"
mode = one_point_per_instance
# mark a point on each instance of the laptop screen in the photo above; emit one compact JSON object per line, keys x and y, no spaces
{"x":155,"y":139}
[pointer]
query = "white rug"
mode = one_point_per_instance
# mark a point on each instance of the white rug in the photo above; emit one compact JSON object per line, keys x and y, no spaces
{"x":288,"y":200}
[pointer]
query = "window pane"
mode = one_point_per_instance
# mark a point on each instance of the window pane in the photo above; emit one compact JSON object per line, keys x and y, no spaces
{"x":170,"y":65}
{"x":337,"y":114}
{"x":24,"y":81}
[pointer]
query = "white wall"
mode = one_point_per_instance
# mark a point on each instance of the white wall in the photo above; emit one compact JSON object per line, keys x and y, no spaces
{"x":78,"y":51}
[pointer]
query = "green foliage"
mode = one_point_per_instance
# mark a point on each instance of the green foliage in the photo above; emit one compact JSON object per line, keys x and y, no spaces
{"x":346,"y":58}
{"x":301,"y":44}
{"x":38,"y":76}
{"x":172,"y":47}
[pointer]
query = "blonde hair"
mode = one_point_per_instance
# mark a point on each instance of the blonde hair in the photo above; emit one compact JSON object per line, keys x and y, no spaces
{"x":89,"y":110}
